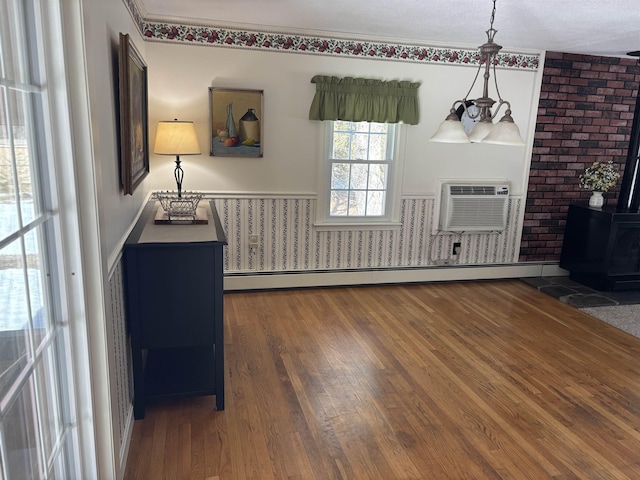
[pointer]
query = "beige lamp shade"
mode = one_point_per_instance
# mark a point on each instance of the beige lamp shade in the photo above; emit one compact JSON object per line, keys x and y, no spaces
{"x":505,"y":132}
{"x":480,"y":130}
{"x":450,"y":131}
{"x":176,"y":138}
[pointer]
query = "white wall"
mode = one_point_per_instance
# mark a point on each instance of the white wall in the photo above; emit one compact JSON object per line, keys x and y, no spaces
{"x":180,"y":75}
{"x":104,"y":20}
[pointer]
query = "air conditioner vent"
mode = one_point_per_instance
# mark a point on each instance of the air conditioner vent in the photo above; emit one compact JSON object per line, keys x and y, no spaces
{"x":473,"y":207}
{"x":473,"y":189}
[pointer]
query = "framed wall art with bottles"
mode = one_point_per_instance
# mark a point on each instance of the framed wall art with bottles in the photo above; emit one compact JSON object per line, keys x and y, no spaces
{"x":236,"y":122}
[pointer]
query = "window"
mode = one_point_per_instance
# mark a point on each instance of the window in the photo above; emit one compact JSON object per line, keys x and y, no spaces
{"x":360,"y":170}
{"x":38,"y":437}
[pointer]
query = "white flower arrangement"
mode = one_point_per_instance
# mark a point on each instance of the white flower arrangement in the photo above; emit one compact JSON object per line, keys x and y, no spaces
{"x":599,"y":177}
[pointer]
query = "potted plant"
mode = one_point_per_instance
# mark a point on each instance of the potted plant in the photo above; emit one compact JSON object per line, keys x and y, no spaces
{"x":598,"y":178}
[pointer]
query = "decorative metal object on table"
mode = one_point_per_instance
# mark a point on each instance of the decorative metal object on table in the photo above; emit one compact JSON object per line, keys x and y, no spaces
{"x":179,"y":208}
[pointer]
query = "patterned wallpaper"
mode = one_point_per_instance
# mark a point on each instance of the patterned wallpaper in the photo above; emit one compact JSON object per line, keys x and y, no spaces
{"x":290,"y":242}
{"x":122,"y":373}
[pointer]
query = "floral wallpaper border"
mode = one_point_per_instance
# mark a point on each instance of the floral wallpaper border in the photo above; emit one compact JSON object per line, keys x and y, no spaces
{"x":208,"y":35}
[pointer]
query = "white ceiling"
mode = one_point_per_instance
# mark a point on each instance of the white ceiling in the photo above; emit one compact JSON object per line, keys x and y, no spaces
{"x":596,"y":27}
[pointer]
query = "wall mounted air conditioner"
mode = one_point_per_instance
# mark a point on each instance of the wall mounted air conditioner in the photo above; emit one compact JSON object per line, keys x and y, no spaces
{"x":473,"y":207}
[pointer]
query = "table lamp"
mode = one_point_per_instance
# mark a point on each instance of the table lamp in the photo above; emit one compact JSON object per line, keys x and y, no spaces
{"x":177,"y":138}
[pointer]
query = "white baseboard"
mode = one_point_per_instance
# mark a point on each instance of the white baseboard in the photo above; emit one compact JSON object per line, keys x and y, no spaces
{"x":273,"y":280}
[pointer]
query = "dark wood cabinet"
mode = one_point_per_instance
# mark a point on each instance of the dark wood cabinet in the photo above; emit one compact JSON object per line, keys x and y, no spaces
{"x":174,"y":297}
{"x":601,"y":247}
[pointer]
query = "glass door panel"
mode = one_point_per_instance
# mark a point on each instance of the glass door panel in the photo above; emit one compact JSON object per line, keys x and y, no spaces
{"x":38,"y":434}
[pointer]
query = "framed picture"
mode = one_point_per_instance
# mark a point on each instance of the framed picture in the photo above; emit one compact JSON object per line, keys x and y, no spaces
{"x":236,"y":122}
{"x":134,"y":138}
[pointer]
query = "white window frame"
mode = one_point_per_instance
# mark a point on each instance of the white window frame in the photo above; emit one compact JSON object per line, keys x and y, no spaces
{"x":59,"y":185}
{"x":324,"y":221}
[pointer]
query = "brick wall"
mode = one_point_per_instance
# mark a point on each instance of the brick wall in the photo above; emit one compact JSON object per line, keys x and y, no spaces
{"x":585,"y":114}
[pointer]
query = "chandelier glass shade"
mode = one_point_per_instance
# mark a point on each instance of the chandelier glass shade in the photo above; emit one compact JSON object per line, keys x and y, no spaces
{"x":504,"y":132}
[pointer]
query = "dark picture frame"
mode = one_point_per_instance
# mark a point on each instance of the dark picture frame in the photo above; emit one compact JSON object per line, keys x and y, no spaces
{"x":239,"y":112}
{"x":134,"y":122}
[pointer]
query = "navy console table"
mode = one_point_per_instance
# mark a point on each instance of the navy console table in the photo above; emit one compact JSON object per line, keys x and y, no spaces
{"x":174,"y":297}
{"x":601,"y":247}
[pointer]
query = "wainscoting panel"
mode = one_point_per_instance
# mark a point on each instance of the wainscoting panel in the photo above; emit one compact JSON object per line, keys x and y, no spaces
{"x":288,"y":240}
{"x":121,"y":372}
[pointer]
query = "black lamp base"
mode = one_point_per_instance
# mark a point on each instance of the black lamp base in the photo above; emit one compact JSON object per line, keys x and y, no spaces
{"x":178,"y":173}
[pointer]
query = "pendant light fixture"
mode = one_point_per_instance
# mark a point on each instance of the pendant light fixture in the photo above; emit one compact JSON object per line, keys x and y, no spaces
{"x":505,"y":132}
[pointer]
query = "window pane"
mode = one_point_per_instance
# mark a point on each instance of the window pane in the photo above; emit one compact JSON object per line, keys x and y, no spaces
{"x":7,"y":190}
{"x":21,"y":436}
{"x":14,"y":316}
{"x":341,"y":125}
{"x":340,"y":176}
{"x":378,"y":147}
{"x":379,"y":128}
{"x":36,"y":273}
{"x":25,"y":157}
{"x":375,"y":203}
{"x":357,"y":203}
{"x":361,"y":127}
{"x":13,"y":40}
{"x":340,"y":146}
{"x":9,"y":216}
{"x":359,"y":146}
{"x":359,"y":173}
{"x":339,"y":203}
{"x":48,"y":398}
{"x":378,"y":176}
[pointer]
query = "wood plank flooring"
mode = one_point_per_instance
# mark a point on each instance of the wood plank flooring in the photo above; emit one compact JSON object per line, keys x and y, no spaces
{"x":477,"y":380}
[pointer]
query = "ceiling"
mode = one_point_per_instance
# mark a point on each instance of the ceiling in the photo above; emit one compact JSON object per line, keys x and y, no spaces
{"x":595,"y":27}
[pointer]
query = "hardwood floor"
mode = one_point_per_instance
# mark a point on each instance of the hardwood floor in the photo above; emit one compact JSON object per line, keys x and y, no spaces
{"x":482,"y":380}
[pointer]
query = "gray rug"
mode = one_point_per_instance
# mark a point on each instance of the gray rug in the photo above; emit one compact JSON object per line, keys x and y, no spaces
{"x":624,"y":317}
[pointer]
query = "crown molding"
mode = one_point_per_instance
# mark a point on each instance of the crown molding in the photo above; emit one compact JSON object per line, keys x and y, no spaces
{"x":253,"y":38}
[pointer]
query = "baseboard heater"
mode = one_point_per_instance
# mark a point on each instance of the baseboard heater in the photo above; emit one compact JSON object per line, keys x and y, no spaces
{"x":477,"y":207}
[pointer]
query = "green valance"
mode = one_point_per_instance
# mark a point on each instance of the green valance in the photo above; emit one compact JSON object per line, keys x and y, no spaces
{"x":364,"y":100}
